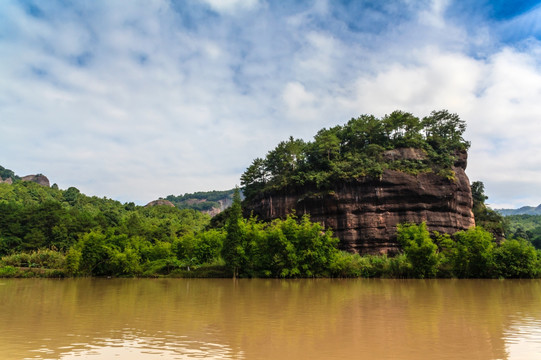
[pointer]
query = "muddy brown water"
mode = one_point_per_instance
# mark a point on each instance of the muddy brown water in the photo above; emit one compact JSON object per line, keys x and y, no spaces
{"x":269,"y":319}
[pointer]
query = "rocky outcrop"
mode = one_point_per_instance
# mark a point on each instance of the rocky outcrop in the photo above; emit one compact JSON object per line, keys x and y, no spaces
{"x":160,"y":202}
{"x":224,"y":204}
{"x":215,"y":210}
{"x":6,"y":181}
{"x":364,"y":213}
{"x":40,"y":179}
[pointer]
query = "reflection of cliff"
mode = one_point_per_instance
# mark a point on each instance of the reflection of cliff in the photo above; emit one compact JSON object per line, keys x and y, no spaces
{"x":364,"y":213}
{"x":269,"y":319}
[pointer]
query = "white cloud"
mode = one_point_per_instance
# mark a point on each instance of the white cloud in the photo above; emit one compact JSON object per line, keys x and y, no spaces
{"x":231,"y":6}
{"x":171,"y":102}
{"x":437,"y":80}
{"x":300,"y":104}
{"x":433,"y":16}
{"x":505,"y":124}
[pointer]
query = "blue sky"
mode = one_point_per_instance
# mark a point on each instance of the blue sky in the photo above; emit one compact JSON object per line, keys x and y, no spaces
{"x":136,"y":100}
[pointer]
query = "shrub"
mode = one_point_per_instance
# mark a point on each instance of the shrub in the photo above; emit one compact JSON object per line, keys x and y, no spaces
{"x":473,"y":257}
{"x":419,"y":249}
{"x":73,"y":261}
{"x":345,"y":265}
{"x":8,"y":271}
{"x":44,"y":258}
{"x":18,"y":260}
{"x":515,"y":259}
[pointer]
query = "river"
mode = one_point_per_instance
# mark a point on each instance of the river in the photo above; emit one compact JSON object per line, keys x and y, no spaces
{"x":269,"y":319}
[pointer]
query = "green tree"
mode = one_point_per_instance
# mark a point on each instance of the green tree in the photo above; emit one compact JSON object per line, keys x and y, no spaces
{"x":284,"y":160}
{"x":516,"y":258}
{"x":208,"y":245}
{"x":403,"y":129}
{"x":71,"y":195}
{"x":444,"y":130}
{"x":233,"y":251}
{"x":328,"y":143}
{"x":254,"y":178}
{"x":94,"y":254}
{"x":485,"y":216}
{"x":73,"y":261}
{"x":419,"y":249}
{"x":473,"y":257}
{"x":478,"y":194}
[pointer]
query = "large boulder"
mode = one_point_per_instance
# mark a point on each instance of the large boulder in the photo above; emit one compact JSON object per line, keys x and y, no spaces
{"x":160,"y":202}
{"x":6,"y":181}
{"x":40,"y":179}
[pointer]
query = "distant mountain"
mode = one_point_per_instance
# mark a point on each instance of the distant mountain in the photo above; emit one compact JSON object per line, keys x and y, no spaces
{"x":525,"y":210}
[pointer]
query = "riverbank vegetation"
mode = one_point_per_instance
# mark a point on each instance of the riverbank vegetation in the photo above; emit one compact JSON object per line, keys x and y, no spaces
{"x":47,"y":232}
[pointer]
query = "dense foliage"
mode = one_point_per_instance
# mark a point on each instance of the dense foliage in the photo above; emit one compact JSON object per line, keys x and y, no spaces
{"x":468,"y":254}
{"x":527,"y":227}
{"x":52,"y":232}
{"x":355,"y":150}
{"x":100,"y":236}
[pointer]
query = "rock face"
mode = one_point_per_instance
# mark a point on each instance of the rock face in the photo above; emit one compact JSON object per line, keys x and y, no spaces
{"x":7,"y":181}
{"x":224,"y":204}
{"x":40,"y":179}
{"x":160,"y":202}
{"x":364,"y":214}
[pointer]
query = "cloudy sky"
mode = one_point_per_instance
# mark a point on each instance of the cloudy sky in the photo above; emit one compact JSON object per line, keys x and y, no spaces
{"x":135,"y":100}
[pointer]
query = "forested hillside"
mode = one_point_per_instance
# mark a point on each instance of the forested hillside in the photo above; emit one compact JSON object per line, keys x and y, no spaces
{"x":525,"y":226}
{"x":203,"y":200}
{"x":99,"y":236}
{"x":45,"y":231}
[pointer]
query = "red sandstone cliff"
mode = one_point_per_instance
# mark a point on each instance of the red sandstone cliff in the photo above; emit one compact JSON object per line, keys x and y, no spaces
{"x":364,"y":213}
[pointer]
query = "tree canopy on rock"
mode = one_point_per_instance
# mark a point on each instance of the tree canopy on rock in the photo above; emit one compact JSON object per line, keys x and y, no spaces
{"x":356,"y":150}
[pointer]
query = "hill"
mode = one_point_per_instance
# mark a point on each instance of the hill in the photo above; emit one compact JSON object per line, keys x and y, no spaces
{"x":208,"y":202}
{"x":525,"y":210}
{"x":34,"y":216}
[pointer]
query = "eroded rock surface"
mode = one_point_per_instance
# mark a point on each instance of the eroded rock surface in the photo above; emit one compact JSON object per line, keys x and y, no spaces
{"x":160,"y":202}
{"x":7,"y":181}
{"x":40,"y":179}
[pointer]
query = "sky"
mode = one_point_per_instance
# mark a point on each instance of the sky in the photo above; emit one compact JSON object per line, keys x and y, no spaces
{"x":136,"y":100}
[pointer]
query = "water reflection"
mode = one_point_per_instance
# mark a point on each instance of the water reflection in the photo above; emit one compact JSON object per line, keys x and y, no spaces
{"x":269,"y":319}
{"x":138,"y":346}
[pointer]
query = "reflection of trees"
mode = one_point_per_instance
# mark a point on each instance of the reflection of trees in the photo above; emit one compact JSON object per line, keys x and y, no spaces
{"x":400,"y":319}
